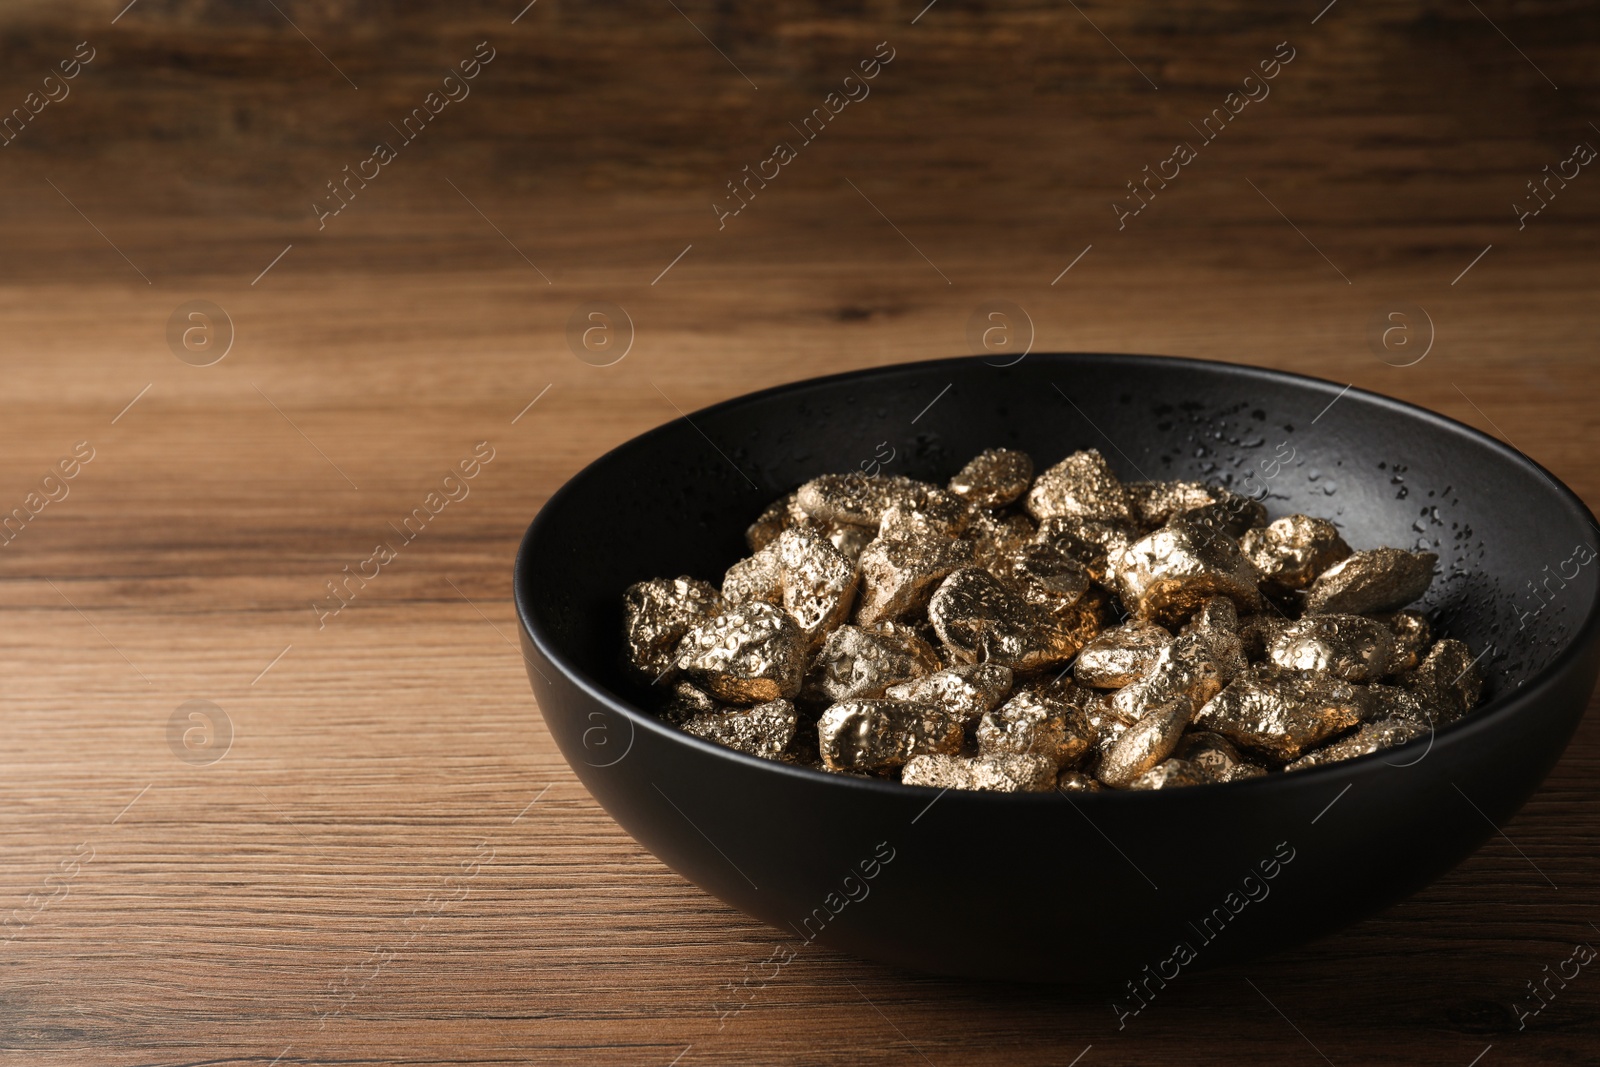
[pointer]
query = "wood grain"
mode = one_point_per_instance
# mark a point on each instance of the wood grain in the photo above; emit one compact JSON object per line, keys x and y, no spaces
{"x":264,"y":908}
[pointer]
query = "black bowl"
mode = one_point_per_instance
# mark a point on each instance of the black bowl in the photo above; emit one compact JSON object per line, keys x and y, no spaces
{"x":1097,"y":888}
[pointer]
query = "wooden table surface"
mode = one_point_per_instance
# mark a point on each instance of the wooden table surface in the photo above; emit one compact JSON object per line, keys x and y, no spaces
{"x":366,"y":848}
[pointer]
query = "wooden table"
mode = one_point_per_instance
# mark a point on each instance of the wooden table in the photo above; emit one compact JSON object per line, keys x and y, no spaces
{"x":366,"y":848}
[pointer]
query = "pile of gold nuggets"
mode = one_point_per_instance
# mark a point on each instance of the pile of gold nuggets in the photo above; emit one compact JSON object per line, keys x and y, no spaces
{"x":1069,"y":631}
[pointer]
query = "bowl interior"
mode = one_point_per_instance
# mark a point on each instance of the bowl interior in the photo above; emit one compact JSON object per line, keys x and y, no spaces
{"x":1516,"y":550}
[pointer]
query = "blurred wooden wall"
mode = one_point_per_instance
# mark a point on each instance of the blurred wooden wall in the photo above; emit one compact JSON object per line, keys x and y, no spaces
{"x":1017,"y":123}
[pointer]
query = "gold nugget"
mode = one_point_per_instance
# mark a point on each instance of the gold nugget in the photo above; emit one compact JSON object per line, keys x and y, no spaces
{"x":1156,"y":503}
{"x":994,"y":537}
{"x":1294,"y":550}
{"x":1282,"y":713}
{"x":1089,"y":541}
{"x":1032,"y":725}
{"x":656,"y":615}
{"x":802,"y":571}
{"x":754,"y":578}
{"x":1013,"y":774}
{"x":778,"y":517}
{"x":1082,"y":485}
{"x":863,"y":661}
{"x":1004,"y":774}
{"x":1447,"y":681}
{"x":1184,"y":669}
{"x":749,"y":654}
{"x":1045,"y":575}
{"x":1119,"y":656}
{"x":1211,"y":752}
{"x":877,"y":735}
{"x":1171,"y":774}
{"x":861,"y":500}
{"x":1412,"y":638}
{"x":1147,"y":742}
{"x":849,"y":540}
{"x":1166,"y":576}
{"x":1256,"y":634}
{"x":1216,"y":624}
{"x":764,"y":730}
{"x":687,"y":702}
{"x":1372,"y":737}
{"x":1395,"y":702}
{"x":964,"y":692}
{"x":1108,"y":731}
{"x":1071,"y":781}
{"x":1382,"y":579}
{"x":993,"y":478}
{"x":1232,"y":515}
{"x":898,"y":573}
{"x":1352,"y":647}
{"x":981,"y":620}
{"x":817,"y":582}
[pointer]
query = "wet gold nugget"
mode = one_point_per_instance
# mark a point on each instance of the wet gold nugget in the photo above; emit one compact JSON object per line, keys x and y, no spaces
{"x":687,"y":702}
{"x":898,"y":573}
{"x":1256,"y":633}
{"x":1216,"y":624}
{"x":1002,"y":774}
{"x":1184,"y":668}
{"x":1233,"y":515}
{"x":863,"y":661}
{"x":1211,"y":752}
{"x":994,"y":478}
{"x":1081,"y":485}
{"x":1294,"y":550}
{"x":801,"y":571}
{"x":1381,"y":579}
{"x":1282,"y":713}
{"x":1447,"y":681}
{"x":816,"y":581}
{"x":1171,"y":774}
{"x":754,"y":578}
{"x":764,"y":730}
{"x":1352,"y":647}
{"x":965,"y":692}
{"x":1119,"y":656}
{"x":980,"y":619}
{"x":1109,"y":730}
{"x":849,"y":540}
{"x":1071,"y":781}
{"x":1155,"y":503}
{"x":778,"y":517}
{"x":749,"y":654}
{"x":1146,"y":743}
{"x":877,"y":735}
{"x":1372,"y":737}
{"x":656,"y":615}
{"x":1032,"y":725}
{"x":861,"y":499}
{"x":1412,"y":638}
{"x":1045,"y":575}
{"x":1089,"y":541}
{"x":1395,"y":702}
{"x":1166,"y":576}
{"x":995,"y":536}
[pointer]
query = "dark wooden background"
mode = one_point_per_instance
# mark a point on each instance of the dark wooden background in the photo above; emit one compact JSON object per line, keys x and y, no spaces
{"x":165,"y":910}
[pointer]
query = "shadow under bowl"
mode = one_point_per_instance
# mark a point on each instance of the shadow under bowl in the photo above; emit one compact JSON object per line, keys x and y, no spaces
{"x":1094,"y":888}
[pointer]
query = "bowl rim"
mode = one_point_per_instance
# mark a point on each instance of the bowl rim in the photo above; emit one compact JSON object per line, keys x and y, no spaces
{"x":1456,"y":733}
